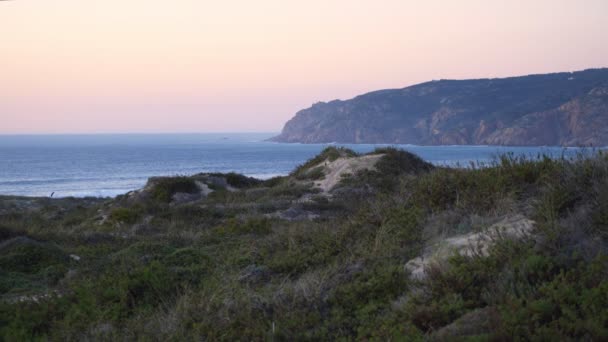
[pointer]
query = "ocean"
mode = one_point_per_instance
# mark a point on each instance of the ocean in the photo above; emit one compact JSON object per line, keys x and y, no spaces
{"x":107,"y":165}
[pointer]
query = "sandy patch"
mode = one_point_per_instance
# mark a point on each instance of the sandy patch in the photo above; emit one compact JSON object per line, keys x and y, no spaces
{"x":512,"y":227}
{"x":336,"y":169}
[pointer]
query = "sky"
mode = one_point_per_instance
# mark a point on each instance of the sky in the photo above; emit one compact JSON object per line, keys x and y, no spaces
{"x":150,"y":66}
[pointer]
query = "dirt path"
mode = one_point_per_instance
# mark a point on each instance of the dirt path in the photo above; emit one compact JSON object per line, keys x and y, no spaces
{"x":341,"y":166}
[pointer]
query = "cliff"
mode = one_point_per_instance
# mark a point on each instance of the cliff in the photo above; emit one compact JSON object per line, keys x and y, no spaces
{"x":562,"y":109}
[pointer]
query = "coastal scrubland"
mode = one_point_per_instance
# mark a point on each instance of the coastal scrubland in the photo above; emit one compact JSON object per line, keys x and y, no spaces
{"x":394,"y":249}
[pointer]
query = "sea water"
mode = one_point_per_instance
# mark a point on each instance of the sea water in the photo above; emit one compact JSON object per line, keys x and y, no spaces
{"x":112,"y":164}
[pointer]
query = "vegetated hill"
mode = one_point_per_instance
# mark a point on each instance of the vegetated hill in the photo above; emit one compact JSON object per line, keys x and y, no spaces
{"x":381,"y":246}
{"x":562,"y":109}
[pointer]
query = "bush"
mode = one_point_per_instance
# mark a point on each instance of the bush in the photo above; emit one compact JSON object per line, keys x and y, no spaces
{"x":25,"y":255}
{"x":258,"y":226}
{"x":396,"y":162}
{"x":240,"y":181}
{"x":7,"y":233}
{"x":274,"y":181}
{"x":164,"y":188}
{"x":297,"y":250}
{"x":124,"y":215}
{"x":312,"y":174}
{"x":570,"y":304}
{"x":386,"y":175}
{"x":329,"y":153}
{"x":357,"y":306}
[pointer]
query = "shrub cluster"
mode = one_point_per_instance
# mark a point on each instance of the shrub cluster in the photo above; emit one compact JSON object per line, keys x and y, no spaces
{"x":164,"y":188}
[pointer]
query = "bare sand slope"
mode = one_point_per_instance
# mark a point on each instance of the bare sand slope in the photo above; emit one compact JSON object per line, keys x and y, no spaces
{"x":336,"y":169}
{"x":512,"y":227}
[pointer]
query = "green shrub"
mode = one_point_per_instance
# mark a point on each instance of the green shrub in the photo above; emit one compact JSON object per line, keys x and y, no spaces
{"x":258,"y":226}
{"x":328,"y":154}
{"x":188,"y":216}
{"x":52,"y":274}
{"x":396,"y":162}
{"x":312,"y":174}
{"x":7,"y":233}
{"x":274,"y":181}
{"x":400,"y":232}
{"x":357,"y":306}
{"x":187,"y":257}
{"x":385,"y":177}
{"x":124,"y":215}
{"x":570,"y":304}
{"x":141,"y":252}
{"x":26,"y":322}
{"x":240,"y":181}
{"x":289,"y":190}
{"x":295,"y":251}
{"x":189,"y":264}
{"x":28,"y":256}
{"x":164,"y":188}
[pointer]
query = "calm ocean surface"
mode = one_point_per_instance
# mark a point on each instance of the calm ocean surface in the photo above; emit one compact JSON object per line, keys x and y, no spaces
{"x":108,"y":165}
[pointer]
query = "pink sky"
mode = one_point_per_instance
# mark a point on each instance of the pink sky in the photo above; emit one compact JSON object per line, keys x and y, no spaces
{"x":92,"y":66}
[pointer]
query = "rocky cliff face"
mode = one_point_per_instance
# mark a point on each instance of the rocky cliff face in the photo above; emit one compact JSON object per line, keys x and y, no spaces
{"x":565,"y":109}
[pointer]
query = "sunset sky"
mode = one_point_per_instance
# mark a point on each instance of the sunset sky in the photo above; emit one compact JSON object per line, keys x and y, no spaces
{"x":99,"y":66}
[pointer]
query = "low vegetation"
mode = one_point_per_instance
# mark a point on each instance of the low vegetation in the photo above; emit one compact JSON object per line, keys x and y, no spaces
{"x":280,"y":260}
{"x":164,"y":188}
{"x":311,"y":169}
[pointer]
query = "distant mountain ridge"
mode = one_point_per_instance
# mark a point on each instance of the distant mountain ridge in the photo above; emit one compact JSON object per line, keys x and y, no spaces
{"x":560,"y":109}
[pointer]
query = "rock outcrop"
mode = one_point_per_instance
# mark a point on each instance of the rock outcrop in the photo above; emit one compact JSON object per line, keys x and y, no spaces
{"x":562,"y":109}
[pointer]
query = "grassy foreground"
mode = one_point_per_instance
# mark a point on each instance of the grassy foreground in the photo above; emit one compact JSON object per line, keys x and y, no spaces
{"x":227,"y":257}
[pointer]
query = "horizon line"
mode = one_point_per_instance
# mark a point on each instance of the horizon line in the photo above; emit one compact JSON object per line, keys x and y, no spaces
{"x":140,"y":133}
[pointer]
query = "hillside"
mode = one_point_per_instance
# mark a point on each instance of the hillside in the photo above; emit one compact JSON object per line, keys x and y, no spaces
{"x":562,"y":109}
{"x":381,"y":246}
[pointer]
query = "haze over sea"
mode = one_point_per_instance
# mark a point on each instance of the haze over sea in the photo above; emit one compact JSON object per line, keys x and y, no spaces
{"x":112,"y":164}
